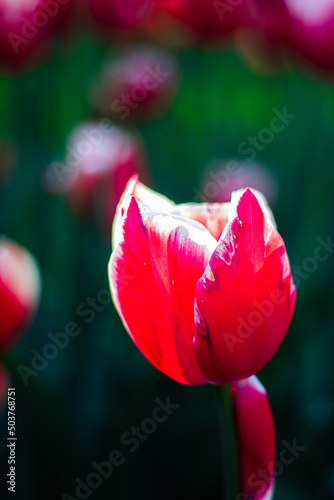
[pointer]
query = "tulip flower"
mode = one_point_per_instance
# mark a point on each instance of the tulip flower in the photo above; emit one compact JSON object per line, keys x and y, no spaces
{"x":20,"y":284}
{"x":119,"y":14}
{"x":138,"y":86}
{"x":26,"y":24}
{"x":205,"y":291}
{"x":100,"y":159}
{"x":312,"y":32}
{"x":256,"y":438}
{"x":206,"y":20}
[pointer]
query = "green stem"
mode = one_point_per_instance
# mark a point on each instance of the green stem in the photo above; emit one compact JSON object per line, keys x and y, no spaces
{"x":228,"y":442}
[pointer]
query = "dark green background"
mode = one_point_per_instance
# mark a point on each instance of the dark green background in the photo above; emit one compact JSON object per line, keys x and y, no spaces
{"x":74,"y":412}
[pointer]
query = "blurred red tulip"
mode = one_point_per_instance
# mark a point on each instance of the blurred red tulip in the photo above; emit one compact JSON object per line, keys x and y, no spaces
{"x":221,"y":178}
{"x":313,"y":31}
{"x":270,"y":19}
{"x":138,"y":86}
{"x":256,"y":439}
{"x":20,"y":284}
{"x":262,"y":34}
{"x":205,"y":19}
{"x":100,"y":160}
{"x":119,"y":14}
{"x":26,"y":24}
{"x":201,"y":311}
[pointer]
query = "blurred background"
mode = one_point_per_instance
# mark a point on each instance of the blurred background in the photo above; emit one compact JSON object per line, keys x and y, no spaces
{"x":216,"y":104}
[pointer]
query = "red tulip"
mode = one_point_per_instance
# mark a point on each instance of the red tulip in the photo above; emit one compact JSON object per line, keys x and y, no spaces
{"x":139,"y":85}
{"x":313,"y":31}
{"x":26,"y":24}
{"x":100,"y":159}
{"x":199,"y":310}
{"x":20,"y":284}
{"x":256,"y":439}
{"x":120,"y":14}
{"x":214,"y":19}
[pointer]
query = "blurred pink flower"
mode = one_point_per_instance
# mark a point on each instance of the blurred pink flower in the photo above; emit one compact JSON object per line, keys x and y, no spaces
{"x":221,"y":178}
{"x":20,"y":285}
{"x":100,"y":160}
{"x":263,"y":34}
{"x":25,"y":26}
{"x":312,"y":32}
{"x":138,"y":86}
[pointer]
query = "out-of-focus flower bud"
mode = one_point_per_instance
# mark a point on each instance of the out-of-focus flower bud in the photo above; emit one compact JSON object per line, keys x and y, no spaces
{"x":101,"y":158}
{"x":20,"y":284}
{"x":221,"y":178}
{"x":262,"y":35}
{"x":25,"y":26}
{"x":138,"y":86}
{"x":312,"y":31}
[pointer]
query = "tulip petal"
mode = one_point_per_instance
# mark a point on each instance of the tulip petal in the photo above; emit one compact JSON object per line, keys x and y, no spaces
{"x":256,"y":438}
{"x":213,"y":216}
{"x":153,"y":274}
{"x":245,"y":298}
{"x":144,"y":195}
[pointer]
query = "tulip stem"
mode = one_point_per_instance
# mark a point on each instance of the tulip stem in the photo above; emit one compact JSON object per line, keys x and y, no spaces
{"x":228,"y":442}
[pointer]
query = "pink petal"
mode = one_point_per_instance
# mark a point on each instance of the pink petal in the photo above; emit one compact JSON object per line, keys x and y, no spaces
{"x":153,"y":274}
{"x":256,"y":437}
{"x":245,"y":298}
